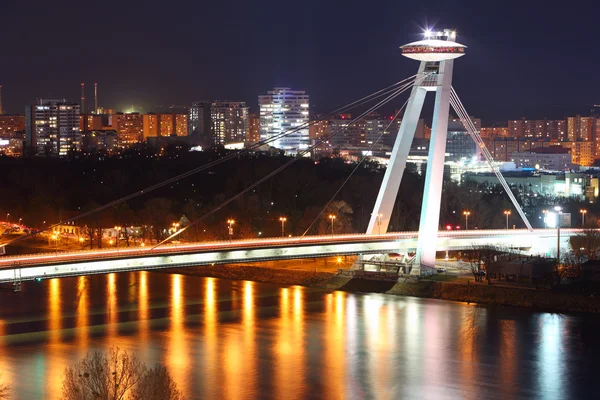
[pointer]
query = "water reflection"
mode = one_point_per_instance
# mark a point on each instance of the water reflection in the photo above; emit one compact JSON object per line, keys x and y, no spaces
{"x":227,"y":339}
{"x":177,"y":360}
{"x":210,"y":370}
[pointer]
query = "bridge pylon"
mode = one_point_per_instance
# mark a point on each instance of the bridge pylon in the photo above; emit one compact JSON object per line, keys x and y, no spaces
{"x":436,"y":53}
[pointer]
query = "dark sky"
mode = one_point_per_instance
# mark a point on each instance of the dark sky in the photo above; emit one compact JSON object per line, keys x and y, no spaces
{"x":525,"y":58}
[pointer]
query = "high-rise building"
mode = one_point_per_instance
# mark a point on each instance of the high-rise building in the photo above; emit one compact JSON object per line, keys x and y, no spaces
{"x":150,"y":125}
{"x":181,"y":125}
{"x":459,"y":144}
{"x":253,"y":128}
{"x":319,"y":130}
{"x":199,"y":118}
{"x":167,"y":124}
{"x":229,"y":122}
{"x":129,"y":127}
{"x":52,"y":127}
{"x":281,"y":111}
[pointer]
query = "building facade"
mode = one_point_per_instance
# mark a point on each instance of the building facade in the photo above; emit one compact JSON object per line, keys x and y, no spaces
{"x":553,"y":158}
{"x":229,"y":122}
{"x":52,"y":127}
{"x":284,"y":117}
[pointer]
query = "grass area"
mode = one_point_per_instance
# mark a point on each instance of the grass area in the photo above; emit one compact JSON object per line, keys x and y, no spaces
{"x":447,"y":278}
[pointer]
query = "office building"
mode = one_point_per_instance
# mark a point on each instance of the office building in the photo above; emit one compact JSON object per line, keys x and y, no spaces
{"x":284,"y":117}
{"x":554,"y":158}
{"x":229,"y":122}
{"x":52,"y":127}
{"x":199,"y":118}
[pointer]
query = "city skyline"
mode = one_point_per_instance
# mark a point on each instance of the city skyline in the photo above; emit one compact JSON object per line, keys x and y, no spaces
{"x":336,"y":59}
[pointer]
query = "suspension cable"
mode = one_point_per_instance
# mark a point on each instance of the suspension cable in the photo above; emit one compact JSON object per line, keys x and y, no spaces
{"x":468,"y":124}
{"x":290,"y":162}
{"x":354,"y":170}
{"x":380,"y":93}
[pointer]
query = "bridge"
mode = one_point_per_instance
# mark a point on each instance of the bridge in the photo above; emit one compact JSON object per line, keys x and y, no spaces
{"x":436,"y":54}
{"x":76,"y":263}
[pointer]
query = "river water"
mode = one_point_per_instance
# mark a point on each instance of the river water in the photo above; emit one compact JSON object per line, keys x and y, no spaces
{"x":247,"y":340}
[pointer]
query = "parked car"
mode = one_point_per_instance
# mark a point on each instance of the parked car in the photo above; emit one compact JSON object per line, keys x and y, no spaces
{"x":441,"y":270}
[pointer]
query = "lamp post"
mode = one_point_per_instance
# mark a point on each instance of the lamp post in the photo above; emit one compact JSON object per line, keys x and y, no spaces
{"x":55,"y":238}
{"x":558,"y":210}
{"x":507,"y":213}
{"x":7,"y":215}
{"x":466,"y":214}
{"x":544,"y":216}
{"x":332,"y":218}
{"x":230,"y":223}
{"x":117,"y":234}
{"x":583,"y":212}
{"x":379,"y":222}
{"x":282,"y":219}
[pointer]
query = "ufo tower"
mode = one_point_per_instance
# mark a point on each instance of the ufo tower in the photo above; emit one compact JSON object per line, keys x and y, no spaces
{"x":436,"y":53}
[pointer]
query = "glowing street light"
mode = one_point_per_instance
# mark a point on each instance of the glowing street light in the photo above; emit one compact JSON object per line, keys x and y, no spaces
{"x":545,"y":216}
{"x":230,"y":223}
{"x":332,"y":218}
{"x":466,"y":214}
{"x":282,"y":219}
{"x":583,"y":212}
{"x":558,"y":210}
{"x":7,"y":215}
{"x":507,"y":213}
{"x":379,"y":222}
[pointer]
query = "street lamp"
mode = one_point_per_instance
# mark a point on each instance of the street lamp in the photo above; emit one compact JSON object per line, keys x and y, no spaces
{"x":117,"y":234}
{"x":282,"y":219}
{"x":230,"y":223}
{"x":583,"y":212}
{"x":545,"y":216}
{"x":7,"y":215}
{"x":466,"y":214}
{"x":558,"y":210}
{"x":55,"y":237}
{"x":20,"y":219}
{"x":332,"y":218}
{"x":507,"y":213}
{"x":379,"y":222}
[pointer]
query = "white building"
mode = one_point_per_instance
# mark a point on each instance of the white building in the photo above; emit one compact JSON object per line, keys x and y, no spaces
{"x":52,"y":127}
{"x":282,"y":110}
{"x":553,"y":158}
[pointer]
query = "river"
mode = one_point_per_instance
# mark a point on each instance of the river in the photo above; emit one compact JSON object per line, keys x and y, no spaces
{"x":247,"y":340}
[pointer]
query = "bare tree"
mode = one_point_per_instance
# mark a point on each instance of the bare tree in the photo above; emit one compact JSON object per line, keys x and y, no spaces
{"x":100,"y":377}
{"x":118,"y":376}
{"x":587,"y":242}
{"x":4,"y":391}
{"x":156,"y":384}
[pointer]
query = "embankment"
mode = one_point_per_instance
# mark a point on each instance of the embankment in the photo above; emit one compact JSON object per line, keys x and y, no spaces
{"x":476,"y":293}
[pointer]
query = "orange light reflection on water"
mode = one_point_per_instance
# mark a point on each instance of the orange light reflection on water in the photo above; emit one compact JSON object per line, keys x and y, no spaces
{"x":335,"y":343}
{"x":112,"y":311}
{"x":177,"y":357}
{"x":290,"y":349}
{"x":210,"y":374}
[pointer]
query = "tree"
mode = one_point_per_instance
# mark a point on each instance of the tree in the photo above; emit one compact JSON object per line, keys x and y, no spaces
{"x":100,"y":377}
{"x":4,"y":391}
{"x":156,"y":384}
{"x":118,"y":376}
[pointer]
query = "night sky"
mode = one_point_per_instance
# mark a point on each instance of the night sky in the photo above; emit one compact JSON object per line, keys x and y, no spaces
{"x":524,"y":58}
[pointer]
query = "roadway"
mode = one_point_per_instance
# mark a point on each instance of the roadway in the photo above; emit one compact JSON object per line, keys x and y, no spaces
{"x":74,"y":263}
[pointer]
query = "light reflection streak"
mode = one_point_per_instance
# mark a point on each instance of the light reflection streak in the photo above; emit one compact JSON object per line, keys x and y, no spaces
{"x":55,"y":361}
{"x":335,"y":360}
{"x":210,"y":372}
{"x":508,"y":357}
{"x":82,"y":316}
{"x":249,"y":351}
{"x":551,"y":354}
{"x":178,"y":360}
{"x":143,"y":310}
{"x":113,"y":312}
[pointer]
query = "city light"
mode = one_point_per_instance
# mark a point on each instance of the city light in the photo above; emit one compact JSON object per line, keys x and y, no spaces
{"x":583,"y":212}
{"x":332,"y":218}
{"x":466,"y":213}
{"x":507,"y":214}
{"x":282,"y":219}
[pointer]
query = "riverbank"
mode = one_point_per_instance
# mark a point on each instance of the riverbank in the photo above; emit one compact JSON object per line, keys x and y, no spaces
{"x":323,"y":275}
